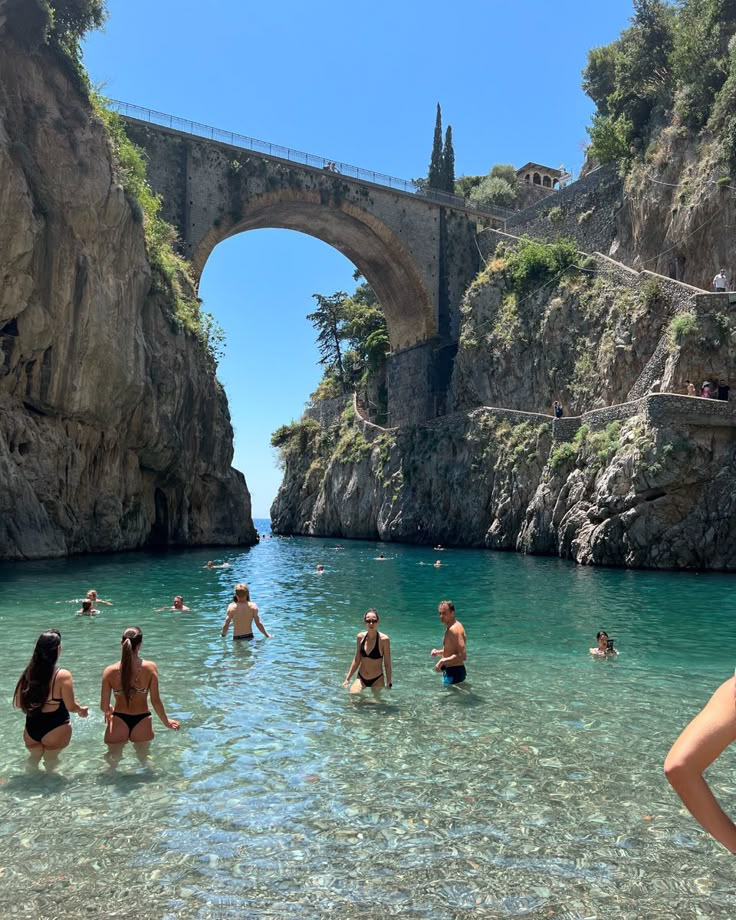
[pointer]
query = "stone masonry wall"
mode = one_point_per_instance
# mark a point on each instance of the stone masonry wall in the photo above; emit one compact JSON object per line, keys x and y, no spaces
{"x":585,"y":211}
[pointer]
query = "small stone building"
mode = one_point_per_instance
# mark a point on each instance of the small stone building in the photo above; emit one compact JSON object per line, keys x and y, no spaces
{"x":536,"y":174}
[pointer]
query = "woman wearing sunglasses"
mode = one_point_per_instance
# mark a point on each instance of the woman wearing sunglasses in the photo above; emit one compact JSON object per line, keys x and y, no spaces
{"x":372,"y":656}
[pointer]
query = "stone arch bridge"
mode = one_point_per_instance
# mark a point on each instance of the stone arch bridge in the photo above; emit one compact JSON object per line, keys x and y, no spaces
{"x":417,"y":251}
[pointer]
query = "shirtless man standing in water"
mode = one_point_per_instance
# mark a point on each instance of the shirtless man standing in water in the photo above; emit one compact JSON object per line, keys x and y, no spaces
{"x":242,"y":613}
{"x":452,"y":655}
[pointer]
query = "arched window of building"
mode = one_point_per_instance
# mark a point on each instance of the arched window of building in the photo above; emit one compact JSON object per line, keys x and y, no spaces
{"x":537,"y":179}
{"x":527,"y":178}
{"x":546,"y":182}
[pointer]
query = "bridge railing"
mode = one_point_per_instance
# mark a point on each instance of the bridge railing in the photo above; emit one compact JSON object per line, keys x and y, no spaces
{"x":197,"y":129}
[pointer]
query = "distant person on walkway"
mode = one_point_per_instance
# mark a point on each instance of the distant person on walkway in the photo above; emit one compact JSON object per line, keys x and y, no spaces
{"x":690,"y":388}
{"x":704,"y":740}
{"x":452,"y":655}
{"x":707,"y":391}
{"x":723,"y":390}
{"x":720,"y":282}
{"x":604,"y":646}
{"x":243,"y":613}
{"x":558,"y":410}
{"x":372,"y":655}
{"x":87,"y":610}
{"x":45,"y":693}
{"x":178,"y":604}
{"x":130,"y":681}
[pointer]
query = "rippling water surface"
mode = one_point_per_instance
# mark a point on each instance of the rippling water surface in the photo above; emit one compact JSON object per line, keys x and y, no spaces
{"x":535,"y":791}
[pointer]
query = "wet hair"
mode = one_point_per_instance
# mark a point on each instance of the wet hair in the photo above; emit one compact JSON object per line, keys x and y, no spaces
{"x":447,"y":604}
{"x":602,"y":634}
{"x":242,"y":593}
{"x":92,"y":591}
{"x":371,"y":610}
{"x":32,"y":690}
{"x":131,"y":641}
{"x":87,"y":605}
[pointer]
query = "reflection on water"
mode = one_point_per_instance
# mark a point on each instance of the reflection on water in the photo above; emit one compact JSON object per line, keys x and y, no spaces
{"x":535,"y":789}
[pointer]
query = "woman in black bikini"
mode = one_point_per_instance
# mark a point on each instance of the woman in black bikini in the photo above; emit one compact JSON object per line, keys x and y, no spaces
{"x":372,"y":653}
{"x":131,"y":680}
{"x":45,"y":693}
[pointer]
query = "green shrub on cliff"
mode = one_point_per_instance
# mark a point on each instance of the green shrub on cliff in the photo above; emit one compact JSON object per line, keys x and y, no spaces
{"x":171,"y":274}
{"x":535,"y":262}
{"x":295,"y":440}
{"x":681,"y":326}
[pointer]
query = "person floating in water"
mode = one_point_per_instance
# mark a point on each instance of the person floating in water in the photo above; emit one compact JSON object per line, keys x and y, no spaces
{"x":45,"y":693}
{"x":604,"y":647}
{"x":87,"y":610}
{"x":131,"y":681}
{"x":243,"y":613}
{"x":320,"y":569}
{"x":92,"y":596}
{"x":372,"y":655}
{"x":452,"y":655}
{"x":379,"y":558}
{"x":211,"y":565}
{"x":177,"y":605}
{"x":699,"y":745}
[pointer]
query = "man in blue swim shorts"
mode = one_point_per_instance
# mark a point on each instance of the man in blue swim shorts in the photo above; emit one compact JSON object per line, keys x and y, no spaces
{"x":452,"y":655}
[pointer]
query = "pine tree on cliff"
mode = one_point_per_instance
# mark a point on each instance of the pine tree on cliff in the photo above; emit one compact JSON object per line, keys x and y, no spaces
{"x":329,"y":319}
{"x":448,"y":163}
{"x":434,"y":179}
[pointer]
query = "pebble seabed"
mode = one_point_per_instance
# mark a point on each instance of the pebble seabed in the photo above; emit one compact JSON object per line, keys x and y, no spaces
{"x":535,"y":790}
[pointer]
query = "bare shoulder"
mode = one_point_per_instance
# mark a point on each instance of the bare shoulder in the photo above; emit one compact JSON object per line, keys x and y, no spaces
{"x":109,"y":670}
{"x":149,"y":666}
{"x":254,"y":607}
{"x":63,"y":674}
{"x":383,"y":637}
{"x":457,"y":628}
{"x":362,"y":635}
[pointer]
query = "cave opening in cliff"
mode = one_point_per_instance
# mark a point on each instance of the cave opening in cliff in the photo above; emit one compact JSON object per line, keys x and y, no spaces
{"x":159,"y":535}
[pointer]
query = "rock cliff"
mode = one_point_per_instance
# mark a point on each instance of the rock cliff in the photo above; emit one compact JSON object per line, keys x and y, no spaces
{"x":114,"y":433}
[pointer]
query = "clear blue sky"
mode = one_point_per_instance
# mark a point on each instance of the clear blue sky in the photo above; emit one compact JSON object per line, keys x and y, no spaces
{"x":357,"y":84}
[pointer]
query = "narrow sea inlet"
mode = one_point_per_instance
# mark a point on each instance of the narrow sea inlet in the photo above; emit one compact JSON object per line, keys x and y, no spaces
{"x":535,"y":790}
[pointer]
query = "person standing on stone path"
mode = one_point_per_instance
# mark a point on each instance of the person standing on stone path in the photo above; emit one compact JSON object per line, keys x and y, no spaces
{"x":690,"y":388}
{"x":720,"y":282}
{"x":45,"y":693}
{"x":243,"y":613}
{"x":699,"y":745}
{"x":452,"y":655}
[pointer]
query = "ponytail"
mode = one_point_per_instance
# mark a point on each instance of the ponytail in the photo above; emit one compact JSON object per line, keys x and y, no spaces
{"x":132,"y":638}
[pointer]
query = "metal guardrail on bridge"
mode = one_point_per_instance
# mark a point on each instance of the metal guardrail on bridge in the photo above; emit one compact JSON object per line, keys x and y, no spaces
{"x":297,"y":156}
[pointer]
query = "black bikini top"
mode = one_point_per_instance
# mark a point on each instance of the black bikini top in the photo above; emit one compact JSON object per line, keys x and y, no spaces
{"x":375,"y":651}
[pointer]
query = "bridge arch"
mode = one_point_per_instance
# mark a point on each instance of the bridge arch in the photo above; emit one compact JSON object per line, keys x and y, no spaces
{"x":359,"y":235}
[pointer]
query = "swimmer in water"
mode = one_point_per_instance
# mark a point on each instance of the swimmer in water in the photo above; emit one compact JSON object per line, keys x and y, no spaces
{"x":131,"y":681}
{"x":177,"y":605}
{"x":320,"y":569}
{"x":372,"y":655}
{"x":453,"y":653}
{"x":87,"y":610}
{"x":243,"y":613}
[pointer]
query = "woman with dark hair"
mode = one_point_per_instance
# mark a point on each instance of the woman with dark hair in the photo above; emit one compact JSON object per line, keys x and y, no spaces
{"x":372,"y":654}
{"x":45,"y":693}
{"x":131,"y":681}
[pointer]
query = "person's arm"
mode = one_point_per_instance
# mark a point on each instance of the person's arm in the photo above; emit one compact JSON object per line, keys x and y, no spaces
{"x":257,"y":621}
{"x":387,"y":659}
{"x":355,"y":664}
{"x":228,"y":620}
{"x":704,"y":739}
{"x":156,"y":700}
{"x":64,"y":680}
{"x":105,"y":694}
{"x":106,"y":603}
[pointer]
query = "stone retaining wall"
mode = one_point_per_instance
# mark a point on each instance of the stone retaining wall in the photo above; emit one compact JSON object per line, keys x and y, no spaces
{"x":327,"y":411}
{"x":585,"y":211}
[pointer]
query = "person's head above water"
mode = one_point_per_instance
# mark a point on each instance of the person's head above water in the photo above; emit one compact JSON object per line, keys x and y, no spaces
{"x":602,"y":639}
{"x":210,"y":564}
{"x":446,"y":610}
{"x":32,"y":689}
{"x":370,"y":618}
{"x":178,"y":601}
{"x":242,"y":592}
{"x":92,"y":595}
{"x":86,"y":605}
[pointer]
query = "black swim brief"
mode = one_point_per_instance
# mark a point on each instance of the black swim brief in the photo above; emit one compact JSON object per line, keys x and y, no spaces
{"x":454,"y":675}
{"x":244,"y":636}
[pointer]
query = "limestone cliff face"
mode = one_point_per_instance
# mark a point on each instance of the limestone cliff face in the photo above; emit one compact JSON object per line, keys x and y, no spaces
{"x":113,"y":431}
{"x":655,"y":490}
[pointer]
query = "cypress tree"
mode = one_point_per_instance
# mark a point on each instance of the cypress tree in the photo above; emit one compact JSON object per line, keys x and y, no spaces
{"x":434,"y":179}
{"x":448,"y":163}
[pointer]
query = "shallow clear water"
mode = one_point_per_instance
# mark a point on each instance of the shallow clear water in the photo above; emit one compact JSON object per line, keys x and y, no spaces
{"x":538,"y":793}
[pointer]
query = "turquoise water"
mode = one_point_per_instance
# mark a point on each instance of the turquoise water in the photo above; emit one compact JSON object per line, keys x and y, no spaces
{"x":539,"y":793}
